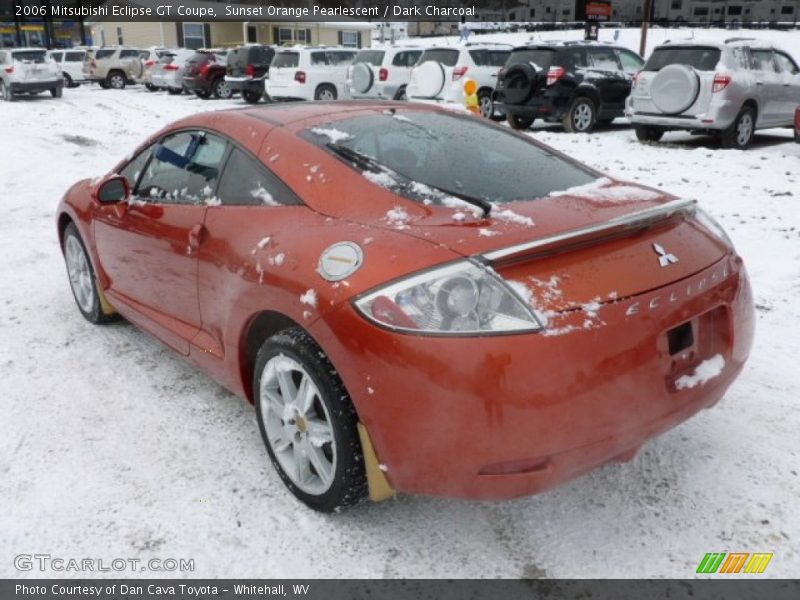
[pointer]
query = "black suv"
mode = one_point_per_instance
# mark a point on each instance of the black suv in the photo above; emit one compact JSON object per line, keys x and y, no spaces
{"x":578,"y":83}
{"x":247,"y":67}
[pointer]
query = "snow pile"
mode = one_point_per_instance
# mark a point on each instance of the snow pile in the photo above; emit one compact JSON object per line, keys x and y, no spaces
{"x":603,"y":190}
{"x":381,"y":178}
{"x":397,"y":217}
{"x":704,"y":372}
{"x":334,"y":135}
{"x":512,"y":217}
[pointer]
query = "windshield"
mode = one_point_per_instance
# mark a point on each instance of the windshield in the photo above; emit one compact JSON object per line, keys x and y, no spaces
{"x":540,"y":57}
{"x":450,"y":152}
{"x":448,"y":58}
{"x":371,"y":57}
{"x":285,"y":60}
{"x":701,"y":58}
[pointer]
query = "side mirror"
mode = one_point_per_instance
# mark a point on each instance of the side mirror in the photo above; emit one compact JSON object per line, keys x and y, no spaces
{"x":114,"y":189}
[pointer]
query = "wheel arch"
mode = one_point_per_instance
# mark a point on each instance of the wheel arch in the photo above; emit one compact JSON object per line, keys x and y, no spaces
{"x":64,"y":219}
{"x":259,"y":328}
{"x":587,"y":91}
{"x":752,"y":103}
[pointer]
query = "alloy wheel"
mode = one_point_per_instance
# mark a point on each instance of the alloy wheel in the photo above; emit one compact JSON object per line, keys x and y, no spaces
{"x":80,"y":274}
{"x":582,"y":116}
{"x":117,"y":82}
{"x":223,"y":90}
{"x":487,"y":106}
{"x":326,"y":94}
{"x":744,"y":129}
{"x":297,"y":425}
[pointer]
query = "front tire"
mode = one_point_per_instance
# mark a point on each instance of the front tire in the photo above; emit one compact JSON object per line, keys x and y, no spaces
{"x":519,"y":122}
{"x":648,"y":134}
{"x":486,"y":105}
{"x":581,"y":117}
{"x":740,"y":134}
{"x":174,"y":91}
{"x":308,"y":422}
{"x":82,"y":279}
{"x":5,"y":92}
{"x":202,"y":94}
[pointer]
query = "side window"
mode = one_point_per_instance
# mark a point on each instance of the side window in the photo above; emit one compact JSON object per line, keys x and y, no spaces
{"x":742,"y":58}
{"x":128,"y":53}
{"x":573,"y":57}
{"x":340,"y":58}
{"x":630,"y":62}
{"x":133,"y":169}
{"x":74,"y":57}
{"x":786,"y":63}
{"x":604,"y":58}
{"x":245,"y":182}
{"x":763,"y":60}
{"x":56,"y":56}
{"x":319,"y":58}
{"x":184,"y":169}
{"x":478,"y":57}
{"x":406,"y":59}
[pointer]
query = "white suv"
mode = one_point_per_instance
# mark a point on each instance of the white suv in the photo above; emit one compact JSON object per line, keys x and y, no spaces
{"x":382,"y":72}
{"x":308,"y":73}
{"x":726,"y":89}
{"x":441,"y":72}
{"x":28,"y":71}
{"x":71,"y":64}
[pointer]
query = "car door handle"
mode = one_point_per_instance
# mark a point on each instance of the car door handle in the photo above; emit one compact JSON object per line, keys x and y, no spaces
{"x":197,"y":236}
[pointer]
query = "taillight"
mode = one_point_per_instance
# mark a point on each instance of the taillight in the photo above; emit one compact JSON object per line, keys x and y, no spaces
{"x":149,"y":63}
{"x":554,"y":74}
{"x":9,"y":70}
{"x":797,"y":118}
{"x":459,"y":72}
{"x":636,"y":79}
{"x":300,"y":76}
{"x":383,"y":74}
{"x":250,"y":71}
{"x":203,"y":70}
{"x":94,"y":64}
{"x":721,"y":82}
{"x":171,"y":67}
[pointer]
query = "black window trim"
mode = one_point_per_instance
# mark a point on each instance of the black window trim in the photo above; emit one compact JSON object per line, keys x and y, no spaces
{"x":223,"y":161}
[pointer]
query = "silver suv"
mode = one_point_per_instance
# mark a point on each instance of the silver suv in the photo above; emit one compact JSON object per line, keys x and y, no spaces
{"x":113,"y":67}
{"x":727,"y":89}
{"x":28,"y":71}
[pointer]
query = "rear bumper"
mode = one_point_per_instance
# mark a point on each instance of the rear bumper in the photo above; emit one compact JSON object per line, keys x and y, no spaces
{"x":544,"y":106}
{"x":240,"y":84}
{"x":289,"y":91}
{"x":720,"y":115}
{"x":22,"y":87}
{"x":502,"y":417}
{"x":195,"y":84}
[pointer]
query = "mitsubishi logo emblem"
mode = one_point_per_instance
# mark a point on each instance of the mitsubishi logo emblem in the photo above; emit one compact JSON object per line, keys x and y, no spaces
{"x":665,"y":259}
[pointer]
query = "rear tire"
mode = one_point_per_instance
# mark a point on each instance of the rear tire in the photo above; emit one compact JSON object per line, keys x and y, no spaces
{"x":486,"y":105}
{"x":68,"y":80}
{"x":202,"y":94}
{"x":82,"y":279}
{"x":150,"y":87}
{"x":325,"y":92}
{"x":740,"y":134}
{"x":311,"y":438}
{"x":519,"y":122}
{"x":648,"y":134}
{"x":221,"y":89}
{"x":57,"y":92}
{"x":116,"y":80}
{"x":174,"y":92}
{"x":581,"y":117}
{"x":251,"y":97}
{"x":401,"y":95}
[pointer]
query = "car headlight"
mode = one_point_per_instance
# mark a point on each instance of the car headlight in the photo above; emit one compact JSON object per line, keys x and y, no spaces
{"x":463,"y":298}
{"x":710,"y":223}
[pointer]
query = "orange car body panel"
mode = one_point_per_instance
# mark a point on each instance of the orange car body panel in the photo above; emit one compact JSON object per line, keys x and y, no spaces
{"x":477,"y":417}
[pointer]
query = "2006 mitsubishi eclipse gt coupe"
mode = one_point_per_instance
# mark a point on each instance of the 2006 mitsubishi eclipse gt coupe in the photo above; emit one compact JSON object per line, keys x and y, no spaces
{"x":414,"y":300}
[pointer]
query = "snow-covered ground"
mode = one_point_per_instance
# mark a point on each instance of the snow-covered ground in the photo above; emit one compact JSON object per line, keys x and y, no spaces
{"x":112,"y":446}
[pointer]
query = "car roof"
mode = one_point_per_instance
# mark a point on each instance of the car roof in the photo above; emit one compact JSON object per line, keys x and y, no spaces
{"x":558,"y":44}
{"x":30,"y":49}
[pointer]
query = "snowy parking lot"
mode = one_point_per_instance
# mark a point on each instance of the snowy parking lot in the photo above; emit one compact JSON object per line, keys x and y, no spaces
{"x":113,"y":446}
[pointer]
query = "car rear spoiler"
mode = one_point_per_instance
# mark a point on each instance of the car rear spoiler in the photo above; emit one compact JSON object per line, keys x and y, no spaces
{"x":590,"y":234}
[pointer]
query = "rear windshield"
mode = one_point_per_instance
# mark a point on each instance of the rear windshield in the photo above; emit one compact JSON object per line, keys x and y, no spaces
{"x":702,"y":58}
{"x":256,"y":55}
{"x":371,"y":57}
{"x":450,"y":152}
{"x":489,"y":58}
{"x":103,"y":53}
{"x":286,"y":59}
{"x":541,"y":57}
{"x":37,"y":56}
{"x":448,"y":58}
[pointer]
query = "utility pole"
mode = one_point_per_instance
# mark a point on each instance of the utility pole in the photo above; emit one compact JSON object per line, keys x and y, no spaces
{"x":648,"y":8}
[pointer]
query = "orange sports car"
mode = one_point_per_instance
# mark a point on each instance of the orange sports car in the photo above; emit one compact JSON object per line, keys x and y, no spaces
{"x":415,"y":300}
